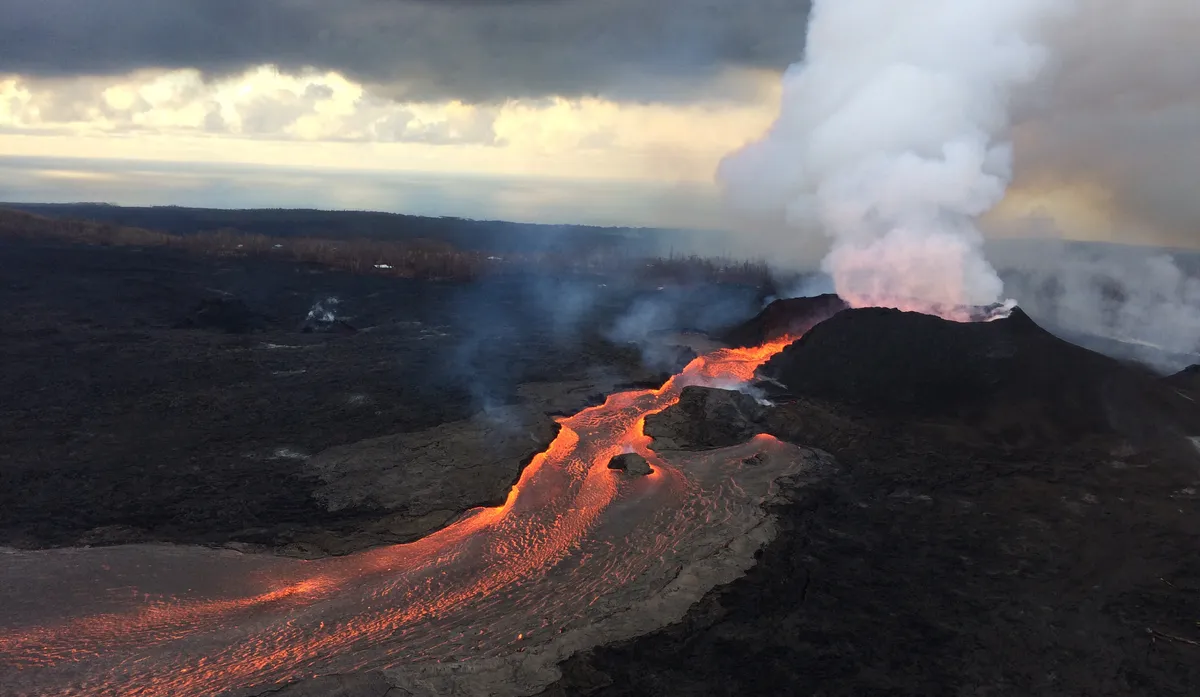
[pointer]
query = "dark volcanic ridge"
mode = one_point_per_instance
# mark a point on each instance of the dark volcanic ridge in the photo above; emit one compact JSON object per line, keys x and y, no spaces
{"x":1015,"y":382}
{"x":1187,"y":379}
{"x":789,"y":316}
{"x":795,"y":316}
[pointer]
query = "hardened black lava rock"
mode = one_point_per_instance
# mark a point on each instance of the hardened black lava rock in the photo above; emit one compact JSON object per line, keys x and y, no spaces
{"x":706,"y":418}
{"x":1009,"y":376}
{"x":230,"y":315}
{"x":1187,"y":379}
{"x":631,"y":464}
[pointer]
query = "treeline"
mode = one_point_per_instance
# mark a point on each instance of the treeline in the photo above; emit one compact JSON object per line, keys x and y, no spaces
{"x":494,"y":237}
{"x":421,"y":258}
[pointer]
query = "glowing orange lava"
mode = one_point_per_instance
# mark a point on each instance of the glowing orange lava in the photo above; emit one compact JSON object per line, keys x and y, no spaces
{"x":495,"y":577}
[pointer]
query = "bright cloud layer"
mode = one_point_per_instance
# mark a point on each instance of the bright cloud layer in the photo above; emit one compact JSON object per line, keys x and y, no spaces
{"x":340,"y":123}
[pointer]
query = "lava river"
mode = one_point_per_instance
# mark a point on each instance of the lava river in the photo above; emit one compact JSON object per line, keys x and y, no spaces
{"x":575,"y":546}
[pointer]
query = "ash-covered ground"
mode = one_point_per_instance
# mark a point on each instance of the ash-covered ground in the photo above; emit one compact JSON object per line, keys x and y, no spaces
{"x":149,"y":395}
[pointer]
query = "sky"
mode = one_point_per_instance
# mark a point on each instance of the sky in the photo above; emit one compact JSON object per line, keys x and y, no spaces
{"x":613,"y":112}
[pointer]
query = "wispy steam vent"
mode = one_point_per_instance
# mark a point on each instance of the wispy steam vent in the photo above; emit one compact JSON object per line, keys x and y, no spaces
{"x":323,"y":311}
{"x":323,"y":317}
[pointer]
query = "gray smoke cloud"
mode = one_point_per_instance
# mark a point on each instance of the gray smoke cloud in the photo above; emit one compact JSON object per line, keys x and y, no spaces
{"x":1114,"y":129}
{"x":1119,"y":115}
{"x":892,"y":139}
{"x":1131,"y":302}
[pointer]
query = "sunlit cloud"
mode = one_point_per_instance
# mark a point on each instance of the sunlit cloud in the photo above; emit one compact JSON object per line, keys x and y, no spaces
{"x":322,"y":119}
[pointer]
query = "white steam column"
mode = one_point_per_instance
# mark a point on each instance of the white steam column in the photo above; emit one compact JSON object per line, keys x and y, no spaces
{"x":892,"y":139}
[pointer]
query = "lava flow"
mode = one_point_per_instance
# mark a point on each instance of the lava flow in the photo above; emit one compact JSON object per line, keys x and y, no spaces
{"x":573,"y":544}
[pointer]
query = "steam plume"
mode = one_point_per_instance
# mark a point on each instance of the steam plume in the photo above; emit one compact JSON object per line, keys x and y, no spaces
{"x":892,"y":138}
{"x":1144,"y":300}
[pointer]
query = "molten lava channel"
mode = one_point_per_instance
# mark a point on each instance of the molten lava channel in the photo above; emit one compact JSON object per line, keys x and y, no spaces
{"x":574,"y":546}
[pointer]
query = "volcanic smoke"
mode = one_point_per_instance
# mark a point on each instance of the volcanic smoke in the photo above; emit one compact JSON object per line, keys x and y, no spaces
{"x":892,"y":139}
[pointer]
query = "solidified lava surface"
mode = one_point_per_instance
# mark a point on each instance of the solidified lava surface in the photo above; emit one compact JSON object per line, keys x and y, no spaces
{"x":571,"y":538}
{"x":155,"y":396}
{"x":1009,"y":376}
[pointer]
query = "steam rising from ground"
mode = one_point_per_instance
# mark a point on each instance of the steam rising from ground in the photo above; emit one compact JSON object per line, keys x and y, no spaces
{"x":509,"y":318}
{"x":1142,"y":298}
{"x":892,"y":139}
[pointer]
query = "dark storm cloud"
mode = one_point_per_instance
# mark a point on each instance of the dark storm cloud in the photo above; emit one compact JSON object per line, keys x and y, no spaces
{"x":477,"y":50}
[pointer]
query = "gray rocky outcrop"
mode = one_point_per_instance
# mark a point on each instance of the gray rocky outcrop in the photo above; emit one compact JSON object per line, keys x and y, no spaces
{"x":631,"y":464}
{"x":706,"y":418}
